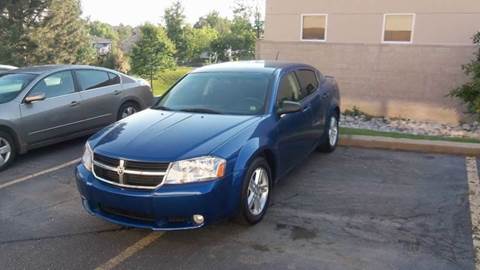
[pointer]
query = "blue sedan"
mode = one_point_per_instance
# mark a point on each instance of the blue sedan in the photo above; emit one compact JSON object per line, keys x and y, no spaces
{"x":212,"y":147}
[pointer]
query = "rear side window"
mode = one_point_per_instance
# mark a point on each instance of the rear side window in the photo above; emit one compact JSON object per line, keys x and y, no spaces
{"x":91,"y":79}
{"x":114,"y":79}
{"x":308,"y":81}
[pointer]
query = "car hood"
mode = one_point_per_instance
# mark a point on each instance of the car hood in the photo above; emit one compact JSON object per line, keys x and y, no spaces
{"x":164,"y":136}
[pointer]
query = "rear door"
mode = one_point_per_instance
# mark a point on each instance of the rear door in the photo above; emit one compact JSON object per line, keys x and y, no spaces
{"x":101,"y":94}
{"x":293,"y":141}
{"x":311,"y":89}
{"x":58,"y":115}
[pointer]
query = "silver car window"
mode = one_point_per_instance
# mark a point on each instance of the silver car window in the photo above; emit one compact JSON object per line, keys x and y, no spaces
{"x":58,"y":84}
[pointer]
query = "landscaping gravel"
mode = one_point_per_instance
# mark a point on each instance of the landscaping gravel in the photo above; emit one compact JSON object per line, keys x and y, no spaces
{"x":411,"y":126}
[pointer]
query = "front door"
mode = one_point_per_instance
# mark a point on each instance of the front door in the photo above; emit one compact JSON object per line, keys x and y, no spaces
{"x":57,"y":115}
{"x":294,"y":143}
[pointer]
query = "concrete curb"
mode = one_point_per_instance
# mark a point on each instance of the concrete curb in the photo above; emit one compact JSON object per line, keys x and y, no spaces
{"x":424,"y":146}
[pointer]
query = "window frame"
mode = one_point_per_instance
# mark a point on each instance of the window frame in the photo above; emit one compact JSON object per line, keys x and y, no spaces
{"x":41,"y":78}
{"x":385,"y":15}
{"x":302,"y":16}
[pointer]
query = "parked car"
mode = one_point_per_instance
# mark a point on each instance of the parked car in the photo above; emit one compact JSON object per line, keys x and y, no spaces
{"x":47,"y":104}
{"x":211,"y":148}
{"x":6,"y":67}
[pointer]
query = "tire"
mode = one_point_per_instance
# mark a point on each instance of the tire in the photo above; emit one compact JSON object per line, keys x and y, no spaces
{"x":329,"y":140}
{"x":8,"y":150}
{"x":127,"y":109}
{"x":248,"y":213}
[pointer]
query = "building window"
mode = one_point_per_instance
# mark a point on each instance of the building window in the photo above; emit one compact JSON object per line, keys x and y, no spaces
{"x":398,"y":28}
{"x":314,"y":27}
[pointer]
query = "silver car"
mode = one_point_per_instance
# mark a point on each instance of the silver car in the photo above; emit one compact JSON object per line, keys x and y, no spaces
{"x":43,"y":105}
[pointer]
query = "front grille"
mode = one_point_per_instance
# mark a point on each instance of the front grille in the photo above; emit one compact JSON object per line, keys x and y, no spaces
{"x":126,"y":173}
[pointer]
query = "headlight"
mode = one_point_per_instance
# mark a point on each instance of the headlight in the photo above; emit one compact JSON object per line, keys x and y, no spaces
{"x":87,"y":158}
{"x":196,"y":170}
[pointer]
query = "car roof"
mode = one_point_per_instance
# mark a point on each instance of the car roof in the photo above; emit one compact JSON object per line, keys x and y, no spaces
{"x":49,"y":68}
{"x":260,"y":66}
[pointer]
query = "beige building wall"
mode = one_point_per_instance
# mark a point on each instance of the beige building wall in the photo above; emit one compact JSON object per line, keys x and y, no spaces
{"x":404,"y":80}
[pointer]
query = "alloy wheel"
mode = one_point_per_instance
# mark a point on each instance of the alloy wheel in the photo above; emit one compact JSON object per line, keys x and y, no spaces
{"x":258,"y":191}
{"x":5,"y":151}
{"x":128,"y":111}
{"x":333,"y":131}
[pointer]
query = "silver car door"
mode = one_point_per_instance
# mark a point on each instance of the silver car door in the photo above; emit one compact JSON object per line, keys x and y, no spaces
{"x":59,"y":114}
{"x":101,"y":96}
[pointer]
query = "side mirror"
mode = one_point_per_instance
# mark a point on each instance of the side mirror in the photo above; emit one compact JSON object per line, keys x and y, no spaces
{"x":38,"y":97}
{"x":287,"y":107}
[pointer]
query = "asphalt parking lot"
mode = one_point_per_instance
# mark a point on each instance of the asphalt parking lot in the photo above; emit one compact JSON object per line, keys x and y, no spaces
{"x":354,"y":209}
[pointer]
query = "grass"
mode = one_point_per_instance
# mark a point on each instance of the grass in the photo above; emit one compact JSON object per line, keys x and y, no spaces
{"x":167,"y":78}
{"x":367,"y":132}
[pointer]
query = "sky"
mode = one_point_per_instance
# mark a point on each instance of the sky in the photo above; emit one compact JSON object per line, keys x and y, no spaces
{"x":136,"y":12}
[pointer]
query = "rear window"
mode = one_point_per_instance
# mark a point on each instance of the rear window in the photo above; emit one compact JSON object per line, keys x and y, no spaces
{"x":12,"y":84}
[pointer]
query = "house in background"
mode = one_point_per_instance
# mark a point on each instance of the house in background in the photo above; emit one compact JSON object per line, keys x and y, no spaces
{"x":391,"y":58}
{"x":102,"y":45}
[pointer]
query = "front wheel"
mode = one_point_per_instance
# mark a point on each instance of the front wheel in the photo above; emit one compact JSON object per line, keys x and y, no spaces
{"x":330,"y":139}
{"x":255,"y":192}
{"x":7,"y":150}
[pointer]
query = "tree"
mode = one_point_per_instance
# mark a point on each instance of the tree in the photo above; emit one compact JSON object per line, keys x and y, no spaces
{"x":17,"y":19}
{"x":104,"y":30}
{"x":215,"y":21}
{"x":43,"y":32}
{"x":63,"y":36}
{"x":469,"y":93}
{"x":199,"y":40}
{"x":153,"y":53}
{"x":174,"y":18}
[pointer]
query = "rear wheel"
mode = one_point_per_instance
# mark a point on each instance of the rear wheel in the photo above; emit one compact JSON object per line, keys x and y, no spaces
{"x":255,"y":192}
{"x":127,"y":109}
{"x":330,"y":138}
{"x":7,"y":150}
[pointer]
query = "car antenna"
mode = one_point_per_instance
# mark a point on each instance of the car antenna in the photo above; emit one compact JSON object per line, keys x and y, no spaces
{"x":278,"y":54}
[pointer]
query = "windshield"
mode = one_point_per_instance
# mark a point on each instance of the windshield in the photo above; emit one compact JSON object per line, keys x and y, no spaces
{"x":12,"y":84}
{"x":219,"y":93}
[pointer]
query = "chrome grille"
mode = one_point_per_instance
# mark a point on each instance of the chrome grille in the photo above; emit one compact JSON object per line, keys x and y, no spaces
{"x":130,"y":174}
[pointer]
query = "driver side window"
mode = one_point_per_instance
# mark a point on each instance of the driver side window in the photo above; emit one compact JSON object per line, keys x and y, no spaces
{"x":55,"y":85}
{"x":289,"y":89}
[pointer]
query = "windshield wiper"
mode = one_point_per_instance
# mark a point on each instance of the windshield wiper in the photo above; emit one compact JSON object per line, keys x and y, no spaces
{"x":163,"y":108}
{"x":200,"y":110}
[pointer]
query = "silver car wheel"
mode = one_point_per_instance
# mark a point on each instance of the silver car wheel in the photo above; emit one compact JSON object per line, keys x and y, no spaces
{"x":5,"y":151}
{"x":258,"y":190}
{"x":333,"y":131}
{"x":128,"y":111}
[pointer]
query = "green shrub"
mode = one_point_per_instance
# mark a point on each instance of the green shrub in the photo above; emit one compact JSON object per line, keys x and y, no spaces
{"x":469,"y":93}
{"x":167,"y":78}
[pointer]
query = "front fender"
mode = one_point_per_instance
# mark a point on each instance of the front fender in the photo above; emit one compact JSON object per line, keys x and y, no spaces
{"x":252,"y":149}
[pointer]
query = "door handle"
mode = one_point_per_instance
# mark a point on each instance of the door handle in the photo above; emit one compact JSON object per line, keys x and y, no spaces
{"x":116,"y":92}
{"x":325,"y":95}
{"x":306,"y":108}
{"x":74,"y":103}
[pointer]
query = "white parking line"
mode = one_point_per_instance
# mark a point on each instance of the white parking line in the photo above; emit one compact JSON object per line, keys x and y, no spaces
{"x":31,"y":176}
{"x":130,"y":251}
{"x":474,"y":198}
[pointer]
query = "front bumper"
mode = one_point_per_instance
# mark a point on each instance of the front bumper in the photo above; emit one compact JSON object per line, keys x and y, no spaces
{"x":170,"y":207}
